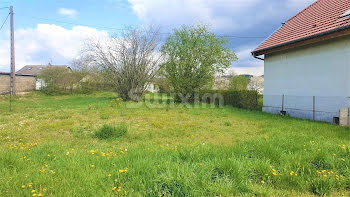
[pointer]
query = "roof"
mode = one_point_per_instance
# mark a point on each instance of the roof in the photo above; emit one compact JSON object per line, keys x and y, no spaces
{"x":36,"y":69}
{"x":320,"y":18}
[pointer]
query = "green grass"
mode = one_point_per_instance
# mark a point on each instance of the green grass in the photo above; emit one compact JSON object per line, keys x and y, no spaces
{"x":49,"y":143}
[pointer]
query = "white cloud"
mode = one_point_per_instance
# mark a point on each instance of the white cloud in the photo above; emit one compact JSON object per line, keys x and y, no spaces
{"x":256,"y":71}
{"x":246,"y":64}
{"x":227,"y":17}
{"x":67,"y":12}
{"x":223,"y":15}
{"x":47,"y":43}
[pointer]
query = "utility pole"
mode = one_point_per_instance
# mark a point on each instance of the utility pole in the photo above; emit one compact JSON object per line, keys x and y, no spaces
{"x":13,"y":62}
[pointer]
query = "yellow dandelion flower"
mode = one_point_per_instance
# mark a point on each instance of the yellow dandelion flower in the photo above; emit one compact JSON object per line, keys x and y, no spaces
{"x":342,"y":159}
{"x":40,"y":195}
{"x":114,"y":188}
{"x":109,"y":175}
{"x":273,"y":170}
{"x":33,"y":191}
{"x":23,"y":186}
{"x":34,"y":195}
{"x":296,"y":174}
{"x":291,"y":173}
{"x":121,"y":171}
{"x":119,"y":190}
{"x":274,"y":174}
{"x":92,"y":165}
{"x":262,"y":182}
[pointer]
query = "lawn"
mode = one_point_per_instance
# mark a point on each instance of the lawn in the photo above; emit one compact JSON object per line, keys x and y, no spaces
{"x":48,"y":148}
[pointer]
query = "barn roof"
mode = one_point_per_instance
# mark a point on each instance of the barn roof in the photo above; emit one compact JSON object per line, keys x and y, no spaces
{"x":36,"y":69}
{"x":320,"y":18}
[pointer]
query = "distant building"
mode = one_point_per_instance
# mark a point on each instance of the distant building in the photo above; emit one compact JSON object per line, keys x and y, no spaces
{"x":26,"y":78}
{"x":35,"y":70}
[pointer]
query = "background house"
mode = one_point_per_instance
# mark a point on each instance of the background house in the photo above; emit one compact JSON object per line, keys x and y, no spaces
{"x":26,"y":79}
{"x":35,"y":70}
{"x":307,"y":63}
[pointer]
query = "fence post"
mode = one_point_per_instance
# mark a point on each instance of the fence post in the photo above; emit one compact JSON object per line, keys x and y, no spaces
{"x":314,"y":108}
{"x":283,"y":102}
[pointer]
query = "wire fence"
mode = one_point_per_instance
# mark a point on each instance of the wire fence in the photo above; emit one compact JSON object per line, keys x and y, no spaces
{"x":309,"y":107}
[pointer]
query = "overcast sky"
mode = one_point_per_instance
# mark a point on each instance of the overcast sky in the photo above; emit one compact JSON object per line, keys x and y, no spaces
{"x":53,"y":30}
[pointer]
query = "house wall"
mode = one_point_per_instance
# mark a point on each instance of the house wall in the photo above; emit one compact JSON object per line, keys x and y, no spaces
{"x":321,"y":70}
{"x":23,"y":83}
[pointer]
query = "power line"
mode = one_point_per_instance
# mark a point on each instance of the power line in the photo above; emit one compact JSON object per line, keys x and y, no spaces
{"x":123,"y":29}
{"x":4,"y":22}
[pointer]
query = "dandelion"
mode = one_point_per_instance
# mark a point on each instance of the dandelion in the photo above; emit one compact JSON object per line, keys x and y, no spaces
{"x":30,"y":185}
{"x":92,"y":152}
{"x":40,"y":195}
{"x":92,"y":165}
{"x":262,"y":182}
{"x":296,"y":174}
{"x":291,"y":173}
{"x":342,"y":159}
{"x":114,"y":188}
{"x":23,"y":186}
{"x":109,"y":175}
{"x":274,"y":174}
{"x":34,"y":195}
{"x":33,"y":191}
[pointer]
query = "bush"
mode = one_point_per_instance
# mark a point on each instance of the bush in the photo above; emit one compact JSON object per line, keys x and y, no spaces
{"x":111,"y":132}
{"x":163,"y":84}
{"x":245,"y":99}
{"x":239,"y":82}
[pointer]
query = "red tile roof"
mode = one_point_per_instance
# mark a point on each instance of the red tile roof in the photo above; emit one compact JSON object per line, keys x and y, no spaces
{"x":319,"y":18}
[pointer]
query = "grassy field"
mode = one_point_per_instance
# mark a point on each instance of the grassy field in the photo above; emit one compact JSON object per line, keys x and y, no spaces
{"x":48,"y":148}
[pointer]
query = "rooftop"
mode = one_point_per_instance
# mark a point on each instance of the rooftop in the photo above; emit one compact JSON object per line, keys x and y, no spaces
{"x":320,"y":18}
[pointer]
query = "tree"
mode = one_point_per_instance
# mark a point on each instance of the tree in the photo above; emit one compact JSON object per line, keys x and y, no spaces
{"x":239,"y":82}
{"x":58,"y":80}
{"x":129,"y":62}
{"x":257,"y":83}
{"x":193,"y":56}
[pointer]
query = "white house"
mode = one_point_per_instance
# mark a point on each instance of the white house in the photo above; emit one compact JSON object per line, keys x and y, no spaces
{"x":307,"y":63}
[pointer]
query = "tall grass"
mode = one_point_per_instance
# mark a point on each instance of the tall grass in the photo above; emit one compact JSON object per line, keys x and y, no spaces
{"x":50,"y":147}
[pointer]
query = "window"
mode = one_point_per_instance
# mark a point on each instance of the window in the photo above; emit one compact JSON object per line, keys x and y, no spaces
{"x":29,"y":68}
{"x":346,"y":14}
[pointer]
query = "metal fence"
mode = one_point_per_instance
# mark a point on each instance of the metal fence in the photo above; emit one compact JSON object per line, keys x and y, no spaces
{"x":309,"y":107}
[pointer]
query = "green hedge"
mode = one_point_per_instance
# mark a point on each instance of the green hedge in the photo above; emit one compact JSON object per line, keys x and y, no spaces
{"x":245,"y":99}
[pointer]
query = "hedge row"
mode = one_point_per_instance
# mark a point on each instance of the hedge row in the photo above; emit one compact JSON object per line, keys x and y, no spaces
{"x":245,"y":99}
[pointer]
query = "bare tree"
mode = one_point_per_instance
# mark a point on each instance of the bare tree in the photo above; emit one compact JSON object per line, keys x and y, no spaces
{"x":130,"y":61}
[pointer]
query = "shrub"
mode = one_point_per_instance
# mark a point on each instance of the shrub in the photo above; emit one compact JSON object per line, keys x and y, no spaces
{"x":245,"y":99}
{"x":239,"y":82}
{"x":111,"y":132}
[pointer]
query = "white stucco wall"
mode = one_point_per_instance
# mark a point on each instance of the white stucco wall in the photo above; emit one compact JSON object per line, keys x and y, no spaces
{"x":321,"y":70}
